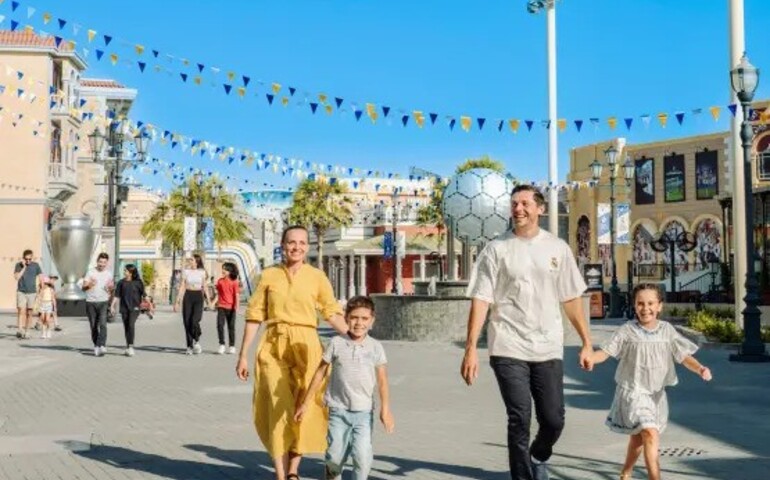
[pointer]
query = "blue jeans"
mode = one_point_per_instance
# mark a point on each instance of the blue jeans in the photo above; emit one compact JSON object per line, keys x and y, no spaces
{"x":350,"y":434}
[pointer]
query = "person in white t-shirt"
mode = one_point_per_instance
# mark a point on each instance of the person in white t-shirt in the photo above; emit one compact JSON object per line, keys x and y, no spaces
{"x":523,"y":279}
{"x":98,"y":285}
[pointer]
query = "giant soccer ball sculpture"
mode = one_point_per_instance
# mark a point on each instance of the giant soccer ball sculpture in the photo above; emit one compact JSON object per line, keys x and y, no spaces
{"x":479,"y":203}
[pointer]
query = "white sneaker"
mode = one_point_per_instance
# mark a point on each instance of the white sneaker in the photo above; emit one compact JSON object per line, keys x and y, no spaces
{"x":231,"y":350}
{"x":129,"y":352}
{"x":104,"y":350}
{"x":97,"y":352}
{"x":197,"y":348}
{"x":188,"y":351}
{"x":221,"y":350}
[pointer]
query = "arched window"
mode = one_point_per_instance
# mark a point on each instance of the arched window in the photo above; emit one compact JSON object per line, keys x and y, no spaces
{"x":583,"y":237}
{"x":708,"y":250}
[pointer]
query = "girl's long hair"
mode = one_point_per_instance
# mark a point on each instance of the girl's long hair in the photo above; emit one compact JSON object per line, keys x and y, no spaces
{"x":198,"y":261}
{"x":231,"y":269}
{"x":132,"y":271}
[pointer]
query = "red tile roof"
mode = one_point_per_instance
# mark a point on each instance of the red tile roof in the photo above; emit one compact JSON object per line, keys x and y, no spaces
{"x":24,"y":38}
{"x":100,"y":83}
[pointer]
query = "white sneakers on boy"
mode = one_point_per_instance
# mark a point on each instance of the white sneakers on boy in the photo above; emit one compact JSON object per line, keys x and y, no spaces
{"x":197,"y":348}
{"x":221,"y":350}
{"x":231,"y":351}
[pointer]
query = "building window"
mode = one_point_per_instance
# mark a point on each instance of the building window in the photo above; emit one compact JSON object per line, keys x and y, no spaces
{"x":764,"y":165}
{"x":57,"y":81}
{"x":55,"y":142}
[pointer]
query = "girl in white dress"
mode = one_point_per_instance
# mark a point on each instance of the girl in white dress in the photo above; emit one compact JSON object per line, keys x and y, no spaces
{"x":646,"y":350}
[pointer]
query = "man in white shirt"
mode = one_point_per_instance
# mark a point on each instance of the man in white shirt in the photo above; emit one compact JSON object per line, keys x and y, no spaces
{"x":98,"y":285}
{"x":523,"y":279}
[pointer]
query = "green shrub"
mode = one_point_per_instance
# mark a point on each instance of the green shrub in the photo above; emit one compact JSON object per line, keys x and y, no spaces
{"x":720,"y":329}
{"x":766,"y":333}
{"x":726,"y":313}
{"x":673,"y":312}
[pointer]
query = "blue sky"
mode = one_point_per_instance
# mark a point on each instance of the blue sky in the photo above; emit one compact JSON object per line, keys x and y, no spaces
{"x":483,"y":59}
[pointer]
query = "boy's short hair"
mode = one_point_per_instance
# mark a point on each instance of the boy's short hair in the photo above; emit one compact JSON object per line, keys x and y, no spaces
{"x":360,"y":301}
{"x":537,"y":194}
{"x":103,"y":255}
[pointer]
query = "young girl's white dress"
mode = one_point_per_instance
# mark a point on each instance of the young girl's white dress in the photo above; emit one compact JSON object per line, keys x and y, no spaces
{"x":646,"y":367}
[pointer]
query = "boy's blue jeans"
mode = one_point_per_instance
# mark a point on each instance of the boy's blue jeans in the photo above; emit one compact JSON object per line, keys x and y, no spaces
{"x":350,"y":434}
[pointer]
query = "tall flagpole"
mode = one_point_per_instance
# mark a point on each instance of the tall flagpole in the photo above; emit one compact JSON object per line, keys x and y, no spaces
{"x":553,"y":159}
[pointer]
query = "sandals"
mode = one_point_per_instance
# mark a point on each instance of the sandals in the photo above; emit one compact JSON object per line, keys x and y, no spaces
{"x":292,"y":476}
{"x":625,"y":476}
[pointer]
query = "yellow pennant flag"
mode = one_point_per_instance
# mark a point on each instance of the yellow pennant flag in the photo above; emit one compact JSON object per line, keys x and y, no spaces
{"x":114,"y":58}
{"x":612,"y":122}
{"x":46,"y":18}
{"x":231,"y":76}
{"x":322,"y":97}
{"x":194,"y":150}
{"x":71,"y":44}
{"x":465,"y":122}
{"x":329,"y":109}
{"x":371,"y":112}
{"x":241,"y":91}
{"x":514,"y":124}
{"x":163,"y":140}
{"x":562,"y":123}
{"x":715,"y":112}
{"x":139,"y":49}
{"x":91,"y":35}
{"x":663,"y":118}
{"x":764,"y":116}
{"x":419,"y":118}
{"x":285,"y":101}
{"x":276,"y":88}
{"x":197,"y":80}
{"x":29,"y":29}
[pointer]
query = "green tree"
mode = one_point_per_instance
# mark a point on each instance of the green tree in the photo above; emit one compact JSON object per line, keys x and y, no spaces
{"x":484,"y":161}
{"x":320,"y":205}
{"x":167,"y":218}
{"x":148,"y":273}
{"x":432,"y":213}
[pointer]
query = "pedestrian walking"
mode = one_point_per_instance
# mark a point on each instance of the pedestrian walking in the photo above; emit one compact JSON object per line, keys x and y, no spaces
{"x":25,"y":273}
{"x":191,"y":297}
{"x":45,"y":305}
{"x":358,"y":364}
{"x":288,"y":300}
{"x":228,"y":298}
{"x":98,"y":285}
{"x":646,"y":350}
{"x":527,"y":276}
{"x":129,"y":293}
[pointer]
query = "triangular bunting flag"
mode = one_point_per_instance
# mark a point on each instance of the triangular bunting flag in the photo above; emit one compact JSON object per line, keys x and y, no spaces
{"x":562,"y":124}
{"x":197,"y":79}
{"x":246,"y":81}
{"x":404,"y":119}
{"x":155,"y":53}
{"x":663,"y":119}
{"x":612,"y":122}
{"x":371,"y":111}
{"x":646,"y":118}
{"x":142,"y":65}
{"x":313,"y":106}
{"x":114,"y":58}
{"x":292,"y":91}
{"x":14,"y":6}
{"x":91,"y":35}
{"x":546,"y":124}
{"x":329,"y":109}
{"x":419,"y":118}
{"x":201,"y":67}
{"x":385,"y":111}
{"x":579,"y":125}
{"x":357,"y":113}
{"x":529,"y":124}
{"x":30,"y":12}
{"x":183,"y":75}
{"x":715,"y":112}
{"x":270,"y":98}
{"x":679,"y":117}
{"x":57,"y":40}
{"x":465,"y":123}
{"x":99,"y":54}
{"x":107,"y":40}
{"x":337,"y":100}
{"x":227,"y":88}
{"x":481,"y":122}
{"x":241,"y":91}
{"x":433,"y":117}
{"x":733,"y":108}
{"x":276,"y":88}
{"x":139,"y":49}
{"x":14,"y":25}
{"x":62,"y":23}
{"x":628,"y":121}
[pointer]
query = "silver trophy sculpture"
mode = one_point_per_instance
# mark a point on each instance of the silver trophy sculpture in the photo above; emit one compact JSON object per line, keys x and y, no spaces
{"x":72,"y":241}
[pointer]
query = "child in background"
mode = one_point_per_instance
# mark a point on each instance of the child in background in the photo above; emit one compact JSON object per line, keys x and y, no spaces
{"x":646,"y":350}
{"x":46,"y":304}
{"x":227,"y":292}
{"x":358,"y":363}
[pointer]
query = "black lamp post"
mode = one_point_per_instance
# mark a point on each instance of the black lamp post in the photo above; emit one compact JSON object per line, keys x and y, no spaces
{"x":611,"y":155}
{"x":744,"y":78}
{"x":397,"y":287}
{"x":115,"y":140}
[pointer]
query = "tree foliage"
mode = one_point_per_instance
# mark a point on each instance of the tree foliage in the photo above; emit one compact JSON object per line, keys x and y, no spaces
{"x":484,"y":161}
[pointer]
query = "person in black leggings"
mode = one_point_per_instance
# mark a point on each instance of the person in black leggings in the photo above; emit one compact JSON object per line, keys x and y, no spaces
{"x":192,"y":293}
{"x":129,"y":292}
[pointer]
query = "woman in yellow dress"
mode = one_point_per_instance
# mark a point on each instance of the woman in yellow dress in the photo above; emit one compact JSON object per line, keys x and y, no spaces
{"x":288,"y":301}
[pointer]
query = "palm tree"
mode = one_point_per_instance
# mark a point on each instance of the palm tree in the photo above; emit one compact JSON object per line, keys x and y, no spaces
{"x":431,"y":214}
{"x":167,"y":218}
{"x":320,"y":205}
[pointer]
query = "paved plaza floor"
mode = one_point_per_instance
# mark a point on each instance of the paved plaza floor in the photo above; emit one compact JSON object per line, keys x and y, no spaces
{"x":65,"y":414}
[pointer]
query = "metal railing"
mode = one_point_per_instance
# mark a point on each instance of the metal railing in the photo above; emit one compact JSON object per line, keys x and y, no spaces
{"x":60,"y":173}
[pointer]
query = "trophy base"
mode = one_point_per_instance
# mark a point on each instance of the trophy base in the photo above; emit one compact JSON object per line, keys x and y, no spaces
{"x":70,"y":308}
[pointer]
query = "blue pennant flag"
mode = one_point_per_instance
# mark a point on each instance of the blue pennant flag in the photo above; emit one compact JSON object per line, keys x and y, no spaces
{"x":481,"y":122}
{"x":14,"y":25}
{"x":19,"y":75}
{"x":628,"y":121}
{"x":452,"y":123}
{"x":201,"y":67}
{"x":292,"y":91}
{"x":231,"y":160}
{"x":82,"y":102}
{"x":174,"y":144}
{"x":679,"y":117}
{"x":246,"y":81}
{"x":270,"y":98}
{"x":99,"y":54}
{"x":733,"y":108}
{"x":51,"y":90}
{"x":107,"y":40}
{"x":228,"y":88}
{"x":53,"y":104}
{"x":529,"y":124}
{"x":405,"y":119}
{"x":166,"y":133}
{"x":142,"y":66}
{"x":184,"y":76}
{"x":500,"y":126}
{"x":313,"y":106}
{"x":14,"y":6}
{"x":155,"y":53}
{"x":433,"y":117}
{"x":338,"y":101}
{"x":139,"y":124}
{"x":62,"y":23}
{"x":358,"y":113}
{"x":546,"y":124}
{"x":19,"y":92}
{"x":57,"y":40}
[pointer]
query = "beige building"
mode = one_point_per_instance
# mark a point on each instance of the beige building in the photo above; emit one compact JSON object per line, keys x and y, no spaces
{"x":46,"y":164}
{"x":680,"y":185}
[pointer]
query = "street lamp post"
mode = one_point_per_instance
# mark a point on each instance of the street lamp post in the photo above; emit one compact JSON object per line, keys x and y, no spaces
{"x":397,"y":288}
{"x":744,"y":78}
{"x":611,"y":155}
{"x":115,"y":140}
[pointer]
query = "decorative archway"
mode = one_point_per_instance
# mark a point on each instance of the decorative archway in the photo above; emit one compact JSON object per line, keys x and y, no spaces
{"x":673,"y":227}
{"x":583,"y":237}
{"x":643,"y":234}
{"x":708,"y":233}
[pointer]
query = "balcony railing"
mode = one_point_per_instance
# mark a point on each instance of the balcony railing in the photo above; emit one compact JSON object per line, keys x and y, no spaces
{"x":60,"y":173}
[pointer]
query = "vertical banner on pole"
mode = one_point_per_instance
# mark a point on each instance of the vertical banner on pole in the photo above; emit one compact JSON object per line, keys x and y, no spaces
{"x":603,"y":220}
{"x":622,"y":223}
{"x":208,"y":233}
{"x":189,"y":234}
